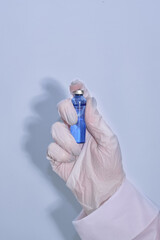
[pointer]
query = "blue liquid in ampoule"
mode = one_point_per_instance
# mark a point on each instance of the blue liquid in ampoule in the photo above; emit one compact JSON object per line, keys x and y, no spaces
{"x":79,"y":129}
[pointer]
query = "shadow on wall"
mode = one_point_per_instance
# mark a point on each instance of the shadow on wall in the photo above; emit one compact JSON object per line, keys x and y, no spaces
{"x":35,"y":143}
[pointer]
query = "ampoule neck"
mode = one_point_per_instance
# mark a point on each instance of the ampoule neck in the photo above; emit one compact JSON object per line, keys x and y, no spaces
{"x":78,"y":95}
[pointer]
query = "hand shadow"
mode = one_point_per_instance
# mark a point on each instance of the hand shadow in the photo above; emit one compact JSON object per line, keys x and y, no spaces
{"x":35,"y":143}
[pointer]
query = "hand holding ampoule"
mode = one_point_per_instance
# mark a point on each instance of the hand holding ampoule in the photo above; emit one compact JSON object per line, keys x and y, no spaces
{"x":92,"y":170}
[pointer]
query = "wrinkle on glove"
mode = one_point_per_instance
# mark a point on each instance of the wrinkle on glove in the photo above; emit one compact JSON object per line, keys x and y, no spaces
{"x":93,"y":170}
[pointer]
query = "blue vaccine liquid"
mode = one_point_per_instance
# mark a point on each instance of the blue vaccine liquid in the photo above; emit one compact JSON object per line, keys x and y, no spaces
{"x":79,"y":129}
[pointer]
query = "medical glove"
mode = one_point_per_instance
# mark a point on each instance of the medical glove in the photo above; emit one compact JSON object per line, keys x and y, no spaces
{"x":93,"y":170}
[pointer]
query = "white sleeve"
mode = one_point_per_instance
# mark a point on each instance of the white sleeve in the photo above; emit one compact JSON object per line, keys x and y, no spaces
{"x":127,"y":215}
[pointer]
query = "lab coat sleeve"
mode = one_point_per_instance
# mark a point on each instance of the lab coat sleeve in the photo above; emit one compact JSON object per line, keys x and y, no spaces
{"x":127,"y":215}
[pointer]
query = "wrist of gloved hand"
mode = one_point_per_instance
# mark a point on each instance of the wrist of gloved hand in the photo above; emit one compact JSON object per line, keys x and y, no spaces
{"x":96,"y":197}
{"x":103,"y":198}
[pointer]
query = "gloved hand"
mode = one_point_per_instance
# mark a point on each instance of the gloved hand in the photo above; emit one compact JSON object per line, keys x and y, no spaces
{"x":92,"y":170}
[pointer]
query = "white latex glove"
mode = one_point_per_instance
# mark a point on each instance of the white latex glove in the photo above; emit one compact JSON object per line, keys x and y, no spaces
{"x":93,"y":170}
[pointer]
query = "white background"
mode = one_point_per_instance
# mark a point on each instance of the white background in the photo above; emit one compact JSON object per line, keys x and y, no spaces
{"x":114,"y":48}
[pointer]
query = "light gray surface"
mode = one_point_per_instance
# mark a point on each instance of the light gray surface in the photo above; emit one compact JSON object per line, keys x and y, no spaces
{"x":113,"y":46}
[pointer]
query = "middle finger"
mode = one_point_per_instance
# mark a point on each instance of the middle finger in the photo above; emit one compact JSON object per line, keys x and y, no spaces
{"x":63,"y":137}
